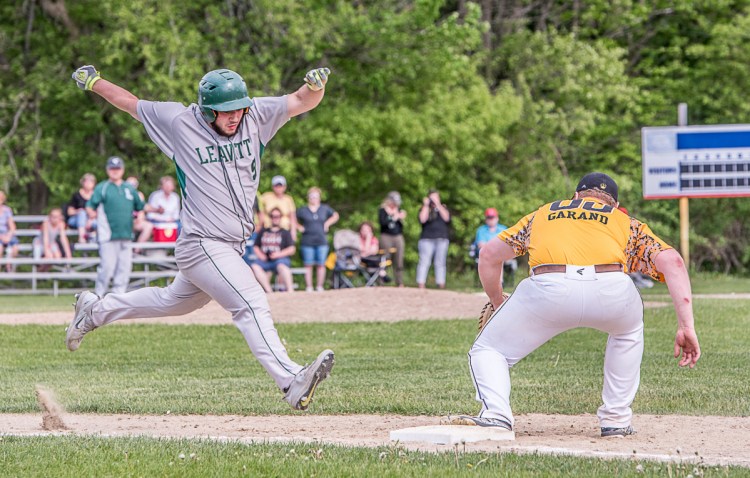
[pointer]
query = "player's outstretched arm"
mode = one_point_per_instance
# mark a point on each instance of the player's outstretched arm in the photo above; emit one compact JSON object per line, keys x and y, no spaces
{"x":310,"y":94}
{"x":686,"y":346}
{"x":87,"y":78}
{"x":491,"y":258}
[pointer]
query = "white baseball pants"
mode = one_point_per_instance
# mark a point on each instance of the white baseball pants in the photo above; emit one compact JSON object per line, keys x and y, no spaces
{"x":210,"y":269}
{"x":115,"y":264}
{"x":546,"y":305}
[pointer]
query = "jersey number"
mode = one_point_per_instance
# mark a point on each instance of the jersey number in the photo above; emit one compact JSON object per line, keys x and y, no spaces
{"x":576,"y":203}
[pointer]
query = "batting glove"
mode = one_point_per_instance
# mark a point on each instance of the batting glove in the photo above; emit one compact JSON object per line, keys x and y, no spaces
{"x":316,"y":79}
{"x":85,"y":77}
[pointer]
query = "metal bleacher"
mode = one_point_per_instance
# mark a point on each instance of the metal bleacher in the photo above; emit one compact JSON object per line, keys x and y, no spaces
{"x":154,"y":261}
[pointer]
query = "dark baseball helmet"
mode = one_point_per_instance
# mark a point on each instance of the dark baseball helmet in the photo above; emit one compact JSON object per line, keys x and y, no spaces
{"x":221,"y":90}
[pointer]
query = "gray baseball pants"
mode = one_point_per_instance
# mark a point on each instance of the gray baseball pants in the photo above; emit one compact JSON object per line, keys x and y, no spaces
{"x":209,"y":269}
{"x":115,"y":264}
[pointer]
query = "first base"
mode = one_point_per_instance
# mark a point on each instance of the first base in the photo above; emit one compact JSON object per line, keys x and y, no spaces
{"x":451,"y":434}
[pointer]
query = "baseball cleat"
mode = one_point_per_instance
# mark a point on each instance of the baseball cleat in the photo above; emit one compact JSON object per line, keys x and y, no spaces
{"x":617,"y":432}
{"x":480,"y":422}
{"x":82,"y":322}
{"x":300,"y":393}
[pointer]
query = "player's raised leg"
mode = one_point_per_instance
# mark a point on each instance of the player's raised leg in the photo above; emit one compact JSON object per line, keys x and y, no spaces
{"x":218,"y":269}
{"x":91,"y":312}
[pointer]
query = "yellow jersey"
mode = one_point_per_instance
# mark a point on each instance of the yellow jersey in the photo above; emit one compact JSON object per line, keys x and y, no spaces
{"x":584,"y":232}
{"x":270,"y":201}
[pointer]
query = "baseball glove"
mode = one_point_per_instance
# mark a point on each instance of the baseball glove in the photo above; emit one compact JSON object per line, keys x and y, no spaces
{"x":487,"y":312}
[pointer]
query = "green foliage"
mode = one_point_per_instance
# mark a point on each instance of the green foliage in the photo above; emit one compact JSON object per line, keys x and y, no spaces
{"x":502,"y":104}
{"x":578,"y":110}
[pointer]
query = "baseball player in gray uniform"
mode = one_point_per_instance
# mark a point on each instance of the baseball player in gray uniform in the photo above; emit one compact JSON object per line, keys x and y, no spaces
{"x":216,"y":146}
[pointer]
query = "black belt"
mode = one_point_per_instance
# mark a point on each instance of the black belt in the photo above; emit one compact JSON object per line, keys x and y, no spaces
{"x":548,"y":268}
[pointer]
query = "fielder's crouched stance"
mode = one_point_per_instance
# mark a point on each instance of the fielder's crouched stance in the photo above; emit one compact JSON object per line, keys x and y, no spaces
{"x":579,"y":253}
{"x":216,"y":146}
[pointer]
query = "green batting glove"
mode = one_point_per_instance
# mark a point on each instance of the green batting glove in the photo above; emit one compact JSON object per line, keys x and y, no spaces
{"x":85,"y":77}
{"x":316,"y":79}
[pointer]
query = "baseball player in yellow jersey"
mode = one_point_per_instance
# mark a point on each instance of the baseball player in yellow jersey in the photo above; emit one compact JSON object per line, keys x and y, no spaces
{"x":580,"y":251}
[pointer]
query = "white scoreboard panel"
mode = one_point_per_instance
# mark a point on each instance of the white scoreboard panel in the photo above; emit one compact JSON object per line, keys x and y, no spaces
{"x":696,"y":161}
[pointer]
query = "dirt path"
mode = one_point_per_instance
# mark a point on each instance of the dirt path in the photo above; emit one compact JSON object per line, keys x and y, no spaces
{"x":711,"y":440}
{"x":375,"y":304}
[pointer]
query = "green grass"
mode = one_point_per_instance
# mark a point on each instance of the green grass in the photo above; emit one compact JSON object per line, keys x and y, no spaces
{"x":708,"y":283}
{"x":16,"y":304}
{"x":381,"y":368}
{"x":74,"y":457}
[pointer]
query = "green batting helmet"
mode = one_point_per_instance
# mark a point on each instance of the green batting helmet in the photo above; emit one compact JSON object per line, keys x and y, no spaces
{"x":221,"y":90}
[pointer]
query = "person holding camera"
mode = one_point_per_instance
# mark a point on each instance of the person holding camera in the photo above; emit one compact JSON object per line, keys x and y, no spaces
{"x":433,"y":241}
{"x":391,"y":218}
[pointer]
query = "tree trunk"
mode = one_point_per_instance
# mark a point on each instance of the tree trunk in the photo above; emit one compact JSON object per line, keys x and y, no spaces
{"x":38,"y":195}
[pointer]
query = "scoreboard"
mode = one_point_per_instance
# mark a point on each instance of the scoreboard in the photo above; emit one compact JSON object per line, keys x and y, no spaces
{"x":696,"y":161}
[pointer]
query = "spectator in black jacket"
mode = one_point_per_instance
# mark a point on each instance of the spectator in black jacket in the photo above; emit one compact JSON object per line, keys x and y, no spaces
{"x":391,"y":217}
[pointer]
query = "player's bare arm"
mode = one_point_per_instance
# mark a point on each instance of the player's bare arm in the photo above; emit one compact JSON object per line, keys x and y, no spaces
{"x":88,"y":79}
{"x":670,"y":263}
{"x":309,"y":95}
{"x":491,"y":258}
{"x":118,"y":97}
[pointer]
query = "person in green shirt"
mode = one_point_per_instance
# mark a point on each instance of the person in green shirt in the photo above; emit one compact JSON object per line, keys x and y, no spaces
{"x":112,"y":204}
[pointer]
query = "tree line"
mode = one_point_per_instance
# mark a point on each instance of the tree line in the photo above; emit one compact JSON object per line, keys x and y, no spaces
{"x":501,"y":103}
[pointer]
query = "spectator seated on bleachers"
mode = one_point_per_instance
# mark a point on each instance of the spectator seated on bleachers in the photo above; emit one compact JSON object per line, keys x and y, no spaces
{"x":8,"y":239}
{"x":273,"y":248}
{"x":75,"y":211}
{"x":52,"y":241}
{"x":35,"y":272}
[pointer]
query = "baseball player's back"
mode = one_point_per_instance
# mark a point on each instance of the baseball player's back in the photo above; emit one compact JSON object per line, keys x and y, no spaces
{"x":579,"y":252}
{"x":584,"y":231}
{"x":216,"y":146}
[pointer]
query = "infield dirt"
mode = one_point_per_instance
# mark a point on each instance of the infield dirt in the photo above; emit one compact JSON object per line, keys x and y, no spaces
{"x":378,"y":304}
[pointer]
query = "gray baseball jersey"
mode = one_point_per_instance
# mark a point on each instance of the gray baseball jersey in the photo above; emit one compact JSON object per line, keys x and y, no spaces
{"x":218,"y":175}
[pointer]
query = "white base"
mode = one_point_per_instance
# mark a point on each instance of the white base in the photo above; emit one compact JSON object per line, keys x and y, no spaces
{"x":452,"y":434}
